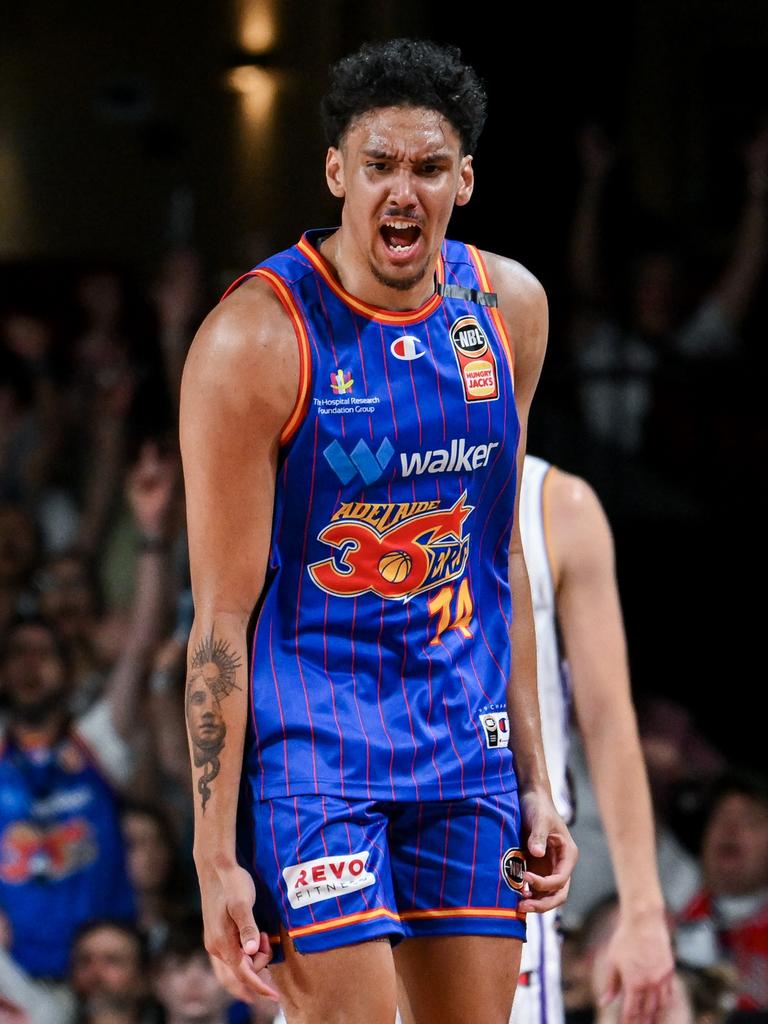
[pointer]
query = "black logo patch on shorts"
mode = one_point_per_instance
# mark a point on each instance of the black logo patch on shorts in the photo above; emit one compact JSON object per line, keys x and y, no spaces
{"x":512,"y":868}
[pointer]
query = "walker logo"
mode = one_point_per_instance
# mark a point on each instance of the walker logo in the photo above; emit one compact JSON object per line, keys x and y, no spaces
{"x":326,"y":877}
{"x":407,"y":347}
{"x":393,"y":550}
{"x":360,"y":460}
{"x":496,"y":727}
{"x":341,"y":382}
{"x":459,"y":458}
{"x":475,"y":359}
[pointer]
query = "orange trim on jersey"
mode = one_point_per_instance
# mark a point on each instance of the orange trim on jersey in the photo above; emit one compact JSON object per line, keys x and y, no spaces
{"x":385,"y":316}
{"x":283,"y":293}
{"x":418,"y":915}
{"x":494,"y":311}
{"x":548,"y":545}
{"x":341,"y":922}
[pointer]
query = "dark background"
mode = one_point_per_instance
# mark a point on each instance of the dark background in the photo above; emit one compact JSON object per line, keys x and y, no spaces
{"x":120,"y":136}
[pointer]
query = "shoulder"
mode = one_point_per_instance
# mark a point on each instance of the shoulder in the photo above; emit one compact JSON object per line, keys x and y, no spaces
{"x":244,"y":352}
{"x":515,"y":285}
{"x":578,"y":527}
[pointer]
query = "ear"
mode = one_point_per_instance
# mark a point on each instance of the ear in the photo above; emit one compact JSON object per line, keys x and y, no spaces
{"x":334,"y":172}
{"x":466,"y":181}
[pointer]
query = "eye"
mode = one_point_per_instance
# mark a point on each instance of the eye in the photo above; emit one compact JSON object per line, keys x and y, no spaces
{"x":377,"y":165}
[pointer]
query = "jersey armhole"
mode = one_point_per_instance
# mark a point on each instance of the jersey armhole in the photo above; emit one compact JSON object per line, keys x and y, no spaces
{"x":494,"y":311}
{"x":283,"y":293}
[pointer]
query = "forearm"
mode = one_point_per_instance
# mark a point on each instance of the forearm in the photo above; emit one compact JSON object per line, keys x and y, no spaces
{"x":621,"y":787}
{"x":216,"y":705}
{"x":522,"y":690}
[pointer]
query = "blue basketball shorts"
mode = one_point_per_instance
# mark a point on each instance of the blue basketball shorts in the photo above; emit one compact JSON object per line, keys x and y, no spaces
{"x":333,"y":872}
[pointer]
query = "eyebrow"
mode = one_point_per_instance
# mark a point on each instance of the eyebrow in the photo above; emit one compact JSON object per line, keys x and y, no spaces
{"x":381,"y":154}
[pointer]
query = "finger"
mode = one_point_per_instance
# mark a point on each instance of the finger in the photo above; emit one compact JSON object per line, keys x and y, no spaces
{"x":250,"y":937}
{"x":611,"y":990}
{"x":546,"y":884}
{"x":250,"y":977}
{"x":539,"y":906}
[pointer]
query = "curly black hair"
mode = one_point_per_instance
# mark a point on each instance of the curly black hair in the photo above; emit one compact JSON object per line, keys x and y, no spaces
{"x":405,"y":73}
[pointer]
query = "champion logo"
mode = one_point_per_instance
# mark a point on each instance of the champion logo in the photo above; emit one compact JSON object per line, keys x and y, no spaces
{"x":370,"y":465}
{"x":407,"y":347}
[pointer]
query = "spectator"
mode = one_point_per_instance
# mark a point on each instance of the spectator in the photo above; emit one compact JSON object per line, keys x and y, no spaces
{"x":109,"y":975}
{"x":728,"y":918}
{"x":184,"y":982}
{"x":18,"y":553}
{"x":618,"y":354}
{"x":156,"y":871}
{"x":61,"y":850}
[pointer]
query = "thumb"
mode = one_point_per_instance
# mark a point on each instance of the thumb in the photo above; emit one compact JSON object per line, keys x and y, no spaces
{"x":537,"y":842}
{"x":250,"y":938}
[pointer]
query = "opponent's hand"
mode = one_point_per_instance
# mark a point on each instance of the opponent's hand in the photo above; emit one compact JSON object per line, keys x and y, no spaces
{"x":231,"y":934}
{"x":637,"y":962}
{"x":550,"y":852}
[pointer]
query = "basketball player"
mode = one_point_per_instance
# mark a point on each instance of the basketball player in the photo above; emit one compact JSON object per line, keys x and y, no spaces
{"x":569,"y":554}
{"x":351,"y":435}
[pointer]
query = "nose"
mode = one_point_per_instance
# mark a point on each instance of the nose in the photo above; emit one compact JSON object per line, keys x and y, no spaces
{"x":402,"y":188}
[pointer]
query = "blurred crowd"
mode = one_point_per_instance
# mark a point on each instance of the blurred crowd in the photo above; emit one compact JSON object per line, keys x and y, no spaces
{"x":99,"y":915}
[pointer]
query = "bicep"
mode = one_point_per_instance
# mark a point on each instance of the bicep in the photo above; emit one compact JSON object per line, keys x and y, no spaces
{"x":229,"y":429}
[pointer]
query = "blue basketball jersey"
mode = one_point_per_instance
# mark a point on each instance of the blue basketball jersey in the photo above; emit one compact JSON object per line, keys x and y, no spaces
{"x":381,"y":651}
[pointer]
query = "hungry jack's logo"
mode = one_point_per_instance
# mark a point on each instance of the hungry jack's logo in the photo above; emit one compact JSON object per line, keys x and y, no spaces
{"x":475,"y":359}
{"x":393,"y":550}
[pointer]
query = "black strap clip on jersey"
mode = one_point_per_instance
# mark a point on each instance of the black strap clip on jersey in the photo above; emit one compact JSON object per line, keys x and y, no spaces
{"x":457,"y":291}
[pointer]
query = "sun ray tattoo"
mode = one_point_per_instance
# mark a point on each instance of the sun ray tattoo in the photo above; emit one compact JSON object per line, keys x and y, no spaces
{"x":211,"y":679}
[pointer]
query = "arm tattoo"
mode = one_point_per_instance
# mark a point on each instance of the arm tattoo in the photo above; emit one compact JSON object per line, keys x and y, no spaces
{"x":211,"y":679}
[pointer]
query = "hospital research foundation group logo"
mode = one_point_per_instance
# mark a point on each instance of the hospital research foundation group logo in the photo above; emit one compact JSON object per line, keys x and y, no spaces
{"x":393,"y":550}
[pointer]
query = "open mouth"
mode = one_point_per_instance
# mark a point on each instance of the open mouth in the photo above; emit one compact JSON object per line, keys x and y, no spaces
{"x":399,"y":235}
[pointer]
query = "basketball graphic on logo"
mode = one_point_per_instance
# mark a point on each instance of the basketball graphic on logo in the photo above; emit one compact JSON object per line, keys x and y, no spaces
{"x":395,"y":566}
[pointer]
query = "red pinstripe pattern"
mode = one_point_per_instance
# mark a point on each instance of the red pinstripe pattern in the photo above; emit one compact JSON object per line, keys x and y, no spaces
{"x":437,"y":381}
{"x":378,"y":699}
{"x":405,"y":696}
{"x":357,"y":704}
{"x":428,"y":659}
{"x":279,"y":708}
{"x":298,"y":602}
{"x":458,"y":379}
{"x":448,"y":807}
{"x":298,"y":848}
{"x":416,"y":404}
{"x":472,"y":715}
{"x":416,"y":853}
{"x":389,"y":388}
{"x":278,"y":867}
{"x":332,"y":688}
{"x":474,"y":853}
{"x":323,"y":804}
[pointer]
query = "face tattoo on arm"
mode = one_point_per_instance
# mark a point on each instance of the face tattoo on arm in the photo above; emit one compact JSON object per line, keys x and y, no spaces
{"x":211,"y":679}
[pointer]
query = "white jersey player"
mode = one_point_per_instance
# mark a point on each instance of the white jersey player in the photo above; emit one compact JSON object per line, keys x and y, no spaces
{"x":569,"y":555}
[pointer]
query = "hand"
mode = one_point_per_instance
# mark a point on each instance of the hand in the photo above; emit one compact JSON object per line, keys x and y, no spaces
{"x":231,"y":934}
{"x":551,"y":854}
{"x":637,"y":962}
{"x":149,"y":488}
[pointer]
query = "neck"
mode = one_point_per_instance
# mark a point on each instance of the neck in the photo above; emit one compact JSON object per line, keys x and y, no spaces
{"x":39,"y":734}
{"x":356,"y":277}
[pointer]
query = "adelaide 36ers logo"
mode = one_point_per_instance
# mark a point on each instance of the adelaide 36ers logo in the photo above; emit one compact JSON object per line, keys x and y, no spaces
{"x":394,"y":550}
{"x":476,"y":361}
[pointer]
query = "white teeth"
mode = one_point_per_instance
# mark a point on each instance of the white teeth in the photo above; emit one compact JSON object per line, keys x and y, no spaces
{"x":400,"y":225}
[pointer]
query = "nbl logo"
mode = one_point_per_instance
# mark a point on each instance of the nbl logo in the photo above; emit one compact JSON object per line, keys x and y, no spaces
{"x":512,"y":868}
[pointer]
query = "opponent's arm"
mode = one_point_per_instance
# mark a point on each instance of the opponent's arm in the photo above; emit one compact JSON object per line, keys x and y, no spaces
{"x":639,"y":960}
{"x":553,"y":854}
{"x":238,"y":388}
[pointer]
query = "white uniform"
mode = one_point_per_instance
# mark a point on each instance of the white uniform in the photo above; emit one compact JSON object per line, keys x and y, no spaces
{"x":539,"y":995}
